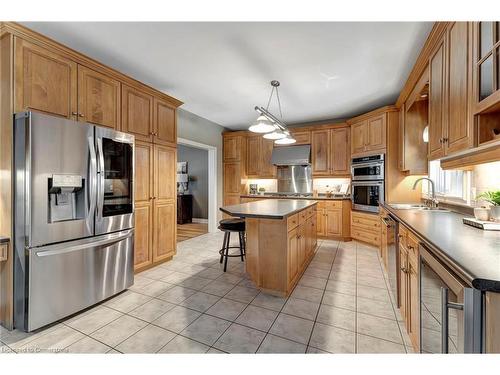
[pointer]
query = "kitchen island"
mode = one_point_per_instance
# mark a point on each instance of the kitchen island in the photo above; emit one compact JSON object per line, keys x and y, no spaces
{"x":281,"y":239}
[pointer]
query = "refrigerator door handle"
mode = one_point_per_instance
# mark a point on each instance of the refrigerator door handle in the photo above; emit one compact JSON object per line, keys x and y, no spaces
{"x":100,"y":179}
{"x":92,"y":183}
{"x":108,"y":240}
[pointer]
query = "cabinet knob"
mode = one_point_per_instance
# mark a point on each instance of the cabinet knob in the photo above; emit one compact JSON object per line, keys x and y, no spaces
{"x":81,"y":115}
{"x":404,"y":270}
{"x":74,"y":113}
{"x":445,"y":140}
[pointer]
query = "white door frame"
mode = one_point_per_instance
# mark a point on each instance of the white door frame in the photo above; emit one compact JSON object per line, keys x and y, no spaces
{"x":212,"y":179}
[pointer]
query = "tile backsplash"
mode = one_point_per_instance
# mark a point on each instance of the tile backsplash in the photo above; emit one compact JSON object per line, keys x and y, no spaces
{"x":324,"y":184}
{"x":485,"y":177}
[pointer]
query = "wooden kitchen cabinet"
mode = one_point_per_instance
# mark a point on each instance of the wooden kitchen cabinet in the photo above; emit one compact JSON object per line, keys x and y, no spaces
{"x":293,"y":255}
{"x":234,"y":167}
{"x":340,"y":151}
{"x":450,"y":120}
{"x":366,"y":227}
{"x":368,"y":135}
{"x":98,"y":98}
{"x":330,"y":152}
{"x":253,"y":156}
{"x":259,"y":153}
{"x":320,"y":152}
{"x":232,"y":178}
{"x":333,"y":219}
{"x":137,"y":113}
{"x":44,"y":80}
{"x":409,"y":284}
{"x":233,"y":148}
{"x":376,"y":129}
{"x":164,"y":123}
{"x":155,"y":204}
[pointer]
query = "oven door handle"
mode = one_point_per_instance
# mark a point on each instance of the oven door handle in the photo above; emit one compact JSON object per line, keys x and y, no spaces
{"x":362,"y":165}
{"x":445,"y":306}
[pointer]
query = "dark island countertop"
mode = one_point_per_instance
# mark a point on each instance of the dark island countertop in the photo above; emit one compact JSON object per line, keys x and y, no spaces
{"x":268,"y":208}
{"x":472,"y":253}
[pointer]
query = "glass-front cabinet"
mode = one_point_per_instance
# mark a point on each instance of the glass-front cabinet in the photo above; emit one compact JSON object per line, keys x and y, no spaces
{"x":486,"y":87}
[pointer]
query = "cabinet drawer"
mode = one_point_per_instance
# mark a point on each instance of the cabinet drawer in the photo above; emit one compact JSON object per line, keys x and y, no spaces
{"x":333,"y":204}
{"x":412,"y":245}
{"x":368,"y":222}
{"x":402,"y":235}
{"x":321,"y":205}
{"x":293,"y":221}
{"x":310,"y":212}
{"x":360,"y":233}
{"x":303,"y":216}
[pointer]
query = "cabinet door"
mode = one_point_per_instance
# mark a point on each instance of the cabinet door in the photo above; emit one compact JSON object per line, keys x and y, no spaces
{"x":334,"y":222}
{"x":165,"y":224}
{"x":232,"y":148}
{"x":359,"y":137}
{"x":414,"y":304}
{"x":314,"y":233}
{"x":143,"y":235}
{"x":436,"y":102}
{"x":137,"y":113}
{"x":321,"y":222}
{"x":341,"y":151}
{"x":253,"y":156}
{"x":459,"y":123}
{"x":98,"y":98}
{"x":143,"y":180}
{"x":293,"y":265}
{"x":302,"y":245}
{"x":320,"y":150}
{"x":44,"y":81}
{"x":232,"y":178}
{"x":267,"y":169}
{"x":165,"y":167}
{"x":376,"y":129}
{"x":403,"y":281}
{"x":165,"y":123}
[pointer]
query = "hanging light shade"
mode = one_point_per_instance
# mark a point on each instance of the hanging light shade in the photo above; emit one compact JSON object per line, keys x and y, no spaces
{"x":262,"y":125}
{"x":288,"y":140}
{"x":276,"y":134}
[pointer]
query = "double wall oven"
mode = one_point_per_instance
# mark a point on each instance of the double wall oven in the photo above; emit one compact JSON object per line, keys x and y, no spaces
{"x":367,"y":182}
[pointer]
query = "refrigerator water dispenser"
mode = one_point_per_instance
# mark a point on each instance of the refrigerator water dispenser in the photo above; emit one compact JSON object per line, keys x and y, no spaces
{"x":66,"y":197}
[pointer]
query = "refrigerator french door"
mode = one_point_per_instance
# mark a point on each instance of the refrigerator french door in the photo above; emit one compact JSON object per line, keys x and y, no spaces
{"x":450,"y":311}
{"x":73,"y":217}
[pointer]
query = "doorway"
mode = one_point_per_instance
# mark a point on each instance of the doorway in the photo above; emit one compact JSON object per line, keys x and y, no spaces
{"x":199,"y":186}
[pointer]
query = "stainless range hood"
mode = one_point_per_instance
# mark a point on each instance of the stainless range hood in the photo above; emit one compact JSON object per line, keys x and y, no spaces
{"x":292,"y":155}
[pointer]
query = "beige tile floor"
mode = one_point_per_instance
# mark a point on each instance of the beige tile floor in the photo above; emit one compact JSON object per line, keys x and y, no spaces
{"x":342,"y":304}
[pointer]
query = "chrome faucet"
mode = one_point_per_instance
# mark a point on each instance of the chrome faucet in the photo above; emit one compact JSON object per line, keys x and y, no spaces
{"x":433,"y":202}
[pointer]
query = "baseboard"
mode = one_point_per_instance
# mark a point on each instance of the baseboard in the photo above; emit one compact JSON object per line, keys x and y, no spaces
{"x":199,"y":220}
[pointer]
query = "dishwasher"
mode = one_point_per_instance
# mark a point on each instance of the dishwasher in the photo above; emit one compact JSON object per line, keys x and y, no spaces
{"x":392,"y":258}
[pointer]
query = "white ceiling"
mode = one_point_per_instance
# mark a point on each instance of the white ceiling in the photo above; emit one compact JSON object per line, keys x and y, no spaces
{"x":222,"y":70}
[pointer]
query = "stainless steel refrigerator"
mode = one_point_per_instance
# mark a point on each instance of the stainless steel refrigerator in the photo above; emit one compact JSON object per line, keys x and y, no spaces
{"x":73,"y":217}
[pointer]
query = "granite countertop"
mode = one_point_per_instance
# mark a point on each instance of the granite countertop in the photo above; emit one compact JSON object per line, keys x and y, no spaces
{"x":472,"y":253}
{"x":268,"y":208}
{"x":278,"y":196}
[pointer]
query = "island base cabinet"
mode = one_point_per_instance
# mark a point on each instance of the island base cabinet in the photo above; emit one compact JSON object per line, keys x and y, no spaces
{"x":279,"y":251}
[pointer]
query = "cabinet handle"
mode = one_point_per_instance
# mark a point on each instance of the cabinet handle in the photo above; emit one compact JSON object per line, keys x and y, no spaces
{"x":74,"y":114}
{"x":404,"y":270}
{"x":81,"y":115}
{"x":410,"y":247}
{"x":445,"y":140}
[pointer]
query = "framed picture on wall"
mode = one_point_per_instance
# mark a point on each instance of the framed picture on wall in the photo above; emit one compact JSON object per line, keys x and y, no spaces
{"x":182,"y":167}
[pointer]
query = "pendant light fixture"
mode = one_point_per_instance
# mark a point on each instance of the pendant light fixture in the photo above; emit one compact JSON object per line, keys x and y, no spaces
{"x":268,"y":124}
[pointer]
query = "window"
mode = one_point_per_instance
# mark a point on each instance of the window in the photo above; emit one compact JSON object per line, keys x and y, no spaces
{"x":453,"y":186}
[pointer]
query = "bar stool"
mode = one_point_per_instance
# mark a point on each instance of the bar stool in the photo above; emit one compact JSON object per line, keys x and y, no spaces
{"x":228,"y":226}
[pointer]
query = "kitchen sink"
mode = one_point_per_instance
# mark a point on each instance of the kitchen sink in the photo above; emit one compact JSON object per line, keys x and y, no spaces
{"x":413,"y":206}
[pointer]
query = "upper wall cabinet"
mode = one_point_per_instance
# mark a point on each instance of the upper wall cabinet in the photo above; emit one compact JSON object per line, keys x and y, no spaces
{"x":369,"y":135}
{"x":44,"y":81}
{"x":137,"y":113}
{"x":233,"y":148}
{"x":98,"y":98}
{"x":330,"y":152}
{"x":165,"y":123}
{"x":259,"y":152}
{"x":450,"y":119}
{"x":320,"y":152}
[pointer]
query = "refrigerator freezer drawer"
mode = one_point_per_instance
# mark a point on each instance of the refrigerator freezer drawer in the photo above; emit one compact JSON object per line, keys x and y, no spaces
{"x":66,"y":278}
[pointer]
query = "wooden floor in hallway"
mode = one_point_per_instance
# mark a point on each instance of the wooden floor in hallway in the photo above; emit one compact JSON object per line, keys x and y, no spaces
{"x":190,"y":230}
